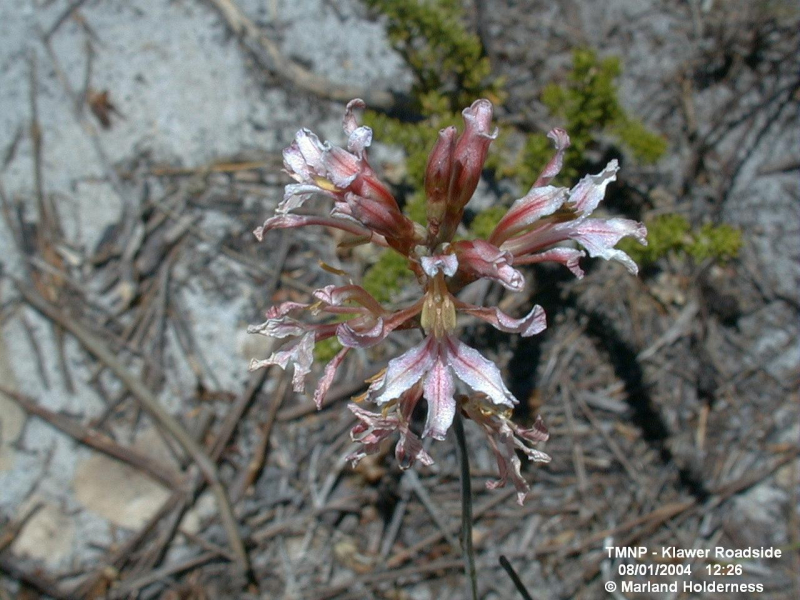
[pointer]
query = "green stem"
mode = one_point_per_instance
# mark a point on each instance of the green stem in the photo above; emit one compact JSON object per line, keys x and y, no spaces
{"x":466,"y":506}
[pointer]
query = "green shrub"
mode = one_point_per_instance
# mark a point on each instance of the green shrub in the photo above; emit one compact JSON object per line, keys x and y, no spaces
{"x":387,"y":276}
{"x":446,"y":59}
{"x":588,"y":103}
{"x":720,"y":242}
{"x":672,"y":233}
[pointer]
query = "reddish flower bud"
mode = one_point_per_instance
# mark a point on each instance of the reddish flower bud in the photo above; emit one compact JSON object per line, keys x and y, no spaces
{"x":468,"y":159}
{"x":470,"y":153}
{"x":437,"y":178}
{"x":384,"y":219}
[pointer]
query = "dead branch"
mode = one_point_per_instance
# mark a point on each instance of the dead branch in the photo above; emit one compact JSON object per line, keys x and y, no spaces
{"x":38,"y":581}
{"x":149,"y":402}
{"x":269,"y":57}
{"x":95,"y":439}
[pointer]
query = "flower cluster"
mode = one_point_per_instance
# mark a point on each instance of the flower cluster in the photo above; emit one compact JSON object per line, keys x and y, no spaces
{"x":531,"y":232}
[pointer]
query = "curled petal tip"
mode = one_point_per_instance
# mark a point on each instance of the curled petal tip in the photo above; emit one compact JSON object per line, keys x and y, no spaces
{"x":640,"y":234}
{"x":531,"y":324}
{"x":349,"y":122}
{"x":479,"y":115}
{"x":560,"y":138}
{"x":356,"y":103}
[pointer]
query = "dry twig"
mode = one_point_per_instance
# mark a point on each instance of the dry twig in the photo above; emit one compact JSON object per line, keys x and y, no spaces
{"x":269,"y":57}
{"x":98,"y":348}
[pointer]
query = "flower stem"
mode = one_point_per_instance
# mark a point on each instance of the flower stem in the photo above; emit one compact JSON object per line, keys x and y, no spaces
{"x":514,"y":577}
{"x":466,"y":506}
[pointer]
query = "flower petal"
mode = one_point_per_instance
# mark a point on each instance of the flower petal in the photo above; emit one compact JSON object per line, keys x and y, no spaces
{"x":283,"y":221}
{"x":350,"y":337}
{"x":372,"y":429}
{"x":284,"y":308}
{"x":385,"y":219}
{"x":479,"y":373}
{"x":437,"y":177}
{"x":569,"y":257}
{"x":504,"y":455}
{"x":295,"y":164}
{"x":553,"y":168}
{"x":341,"y":166}
{"x":470,"y":154}
{"x":599,"y":236}
{"x":404,"y":371}
{"x":338,"y":295}
{"x":480,"y":259}
{"x":589,"y":191}
{"x":525,"y":212}
{"x":409,"y":450}
{"x":296,"y":194}
{"x":303,"y":157}
{"x":446,"y":263}
{"x":311,"y":149}
{"x":375,"y":427}
{"x":504,"y":437}
{"x":349,"y":123}
{"x":531,"y":324}
{"x":300,"y":354}
{"x":409,"y":447}
{"x":359,"y":141}
{"x":327,"y":377}
{"x":439,"y":388}
{"x":279,"y":327}
{"x":537,"y":433}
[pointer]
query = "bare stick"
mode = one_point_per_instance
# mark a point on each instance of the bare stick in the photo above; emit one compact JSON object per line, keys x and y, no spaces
{"x":249,"y":475}
{"x":95,"y":439}
{"x":34,"y":579}
{"x":130,"y":586}
{"x":269,"y":56}
{"x":424,"y":497}
{"x":402,"y":556}
{"x":73,"y":6}
{"x":149,"y":402}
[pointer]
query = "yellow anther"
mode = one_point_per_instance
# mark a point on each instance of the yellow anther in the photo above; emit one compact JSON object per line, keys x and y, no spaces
{"x":325,"y":184}
{"x":438,"y":311}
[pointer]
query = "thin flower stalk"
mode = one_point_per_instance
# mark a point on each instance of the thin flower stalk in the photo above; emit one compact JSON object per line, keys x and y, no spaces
{"x":548,"y":224}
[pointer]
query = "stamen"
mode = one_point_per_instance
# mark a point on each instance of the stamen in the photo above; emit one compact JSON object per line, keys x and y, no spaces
{"x":325,"y":184}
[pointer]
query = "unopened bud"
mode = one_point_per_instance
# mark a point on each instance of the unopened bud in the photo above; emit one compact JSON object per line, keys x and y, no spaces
{"x":437,"y":177}
{"x":470,"y":153}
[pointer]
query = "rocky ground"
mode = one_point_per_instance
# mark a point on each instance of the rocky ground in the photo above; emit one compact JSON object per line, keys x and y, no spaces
{"x":140,"y":147}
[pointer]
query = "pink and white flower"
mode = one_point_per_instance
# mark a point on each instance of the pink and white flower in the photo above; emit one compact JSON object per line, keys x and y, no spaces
{"x":535,"y":229}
